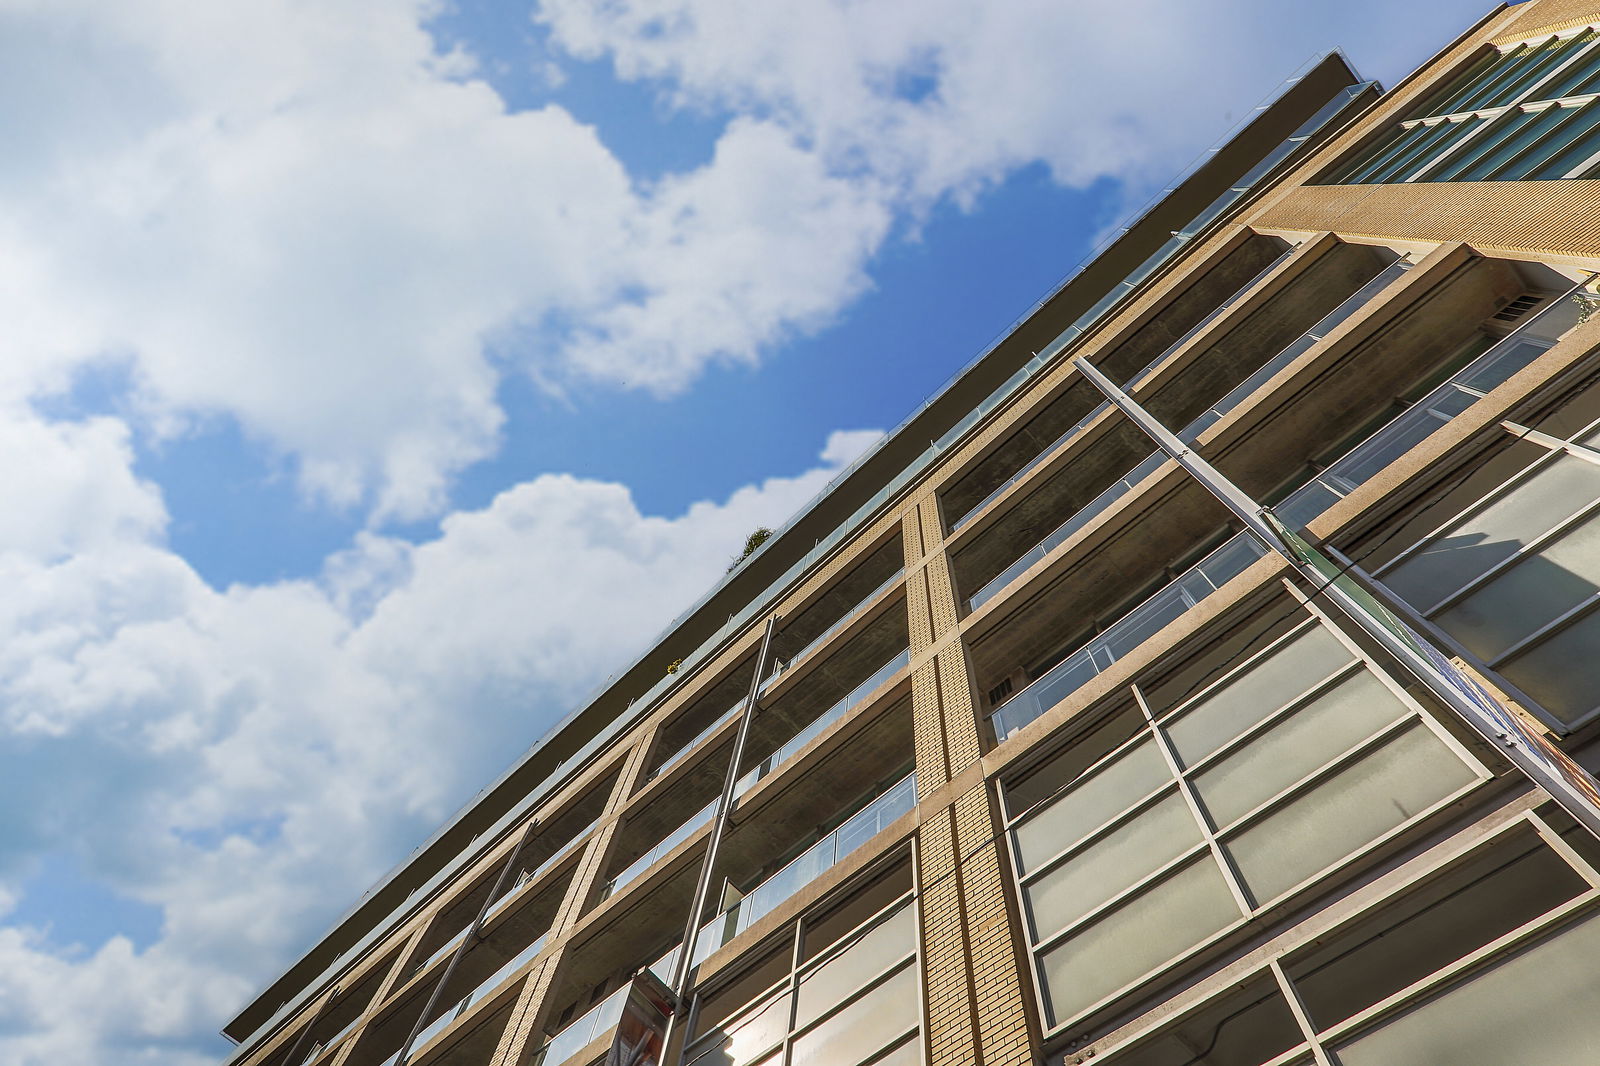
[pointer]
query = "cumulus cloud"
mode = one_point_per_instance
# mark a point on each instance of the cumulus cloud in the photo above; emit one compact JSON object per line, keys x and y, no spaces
{"x":309,"y":219}
{"x":173,"y":736}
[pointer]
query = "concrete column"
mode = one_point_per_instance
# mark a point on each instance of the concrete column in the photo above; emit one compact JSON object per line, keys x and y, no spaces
{"x":523,"y":1034}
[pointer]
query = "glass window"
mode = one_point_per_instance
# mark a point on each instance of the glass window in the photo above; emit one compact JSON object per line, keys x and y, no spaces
{"x":1111,"y":865}
{"x":1494,"y":534}
{"x":1562,"y":672}
{"x":862,"y":1029}
{"x":1532,"y":592}
{"x":1143,"y":934}
{"x":1247,"y":1027}
{"x":1270,"y":684}
{"x":1329,"y":725}
{"x":1348,"y":810}
{"x":840,"y":976}
{"x":1539,"y":1008}
{"x":1112,"y":789}
{"x":1457,"y":912}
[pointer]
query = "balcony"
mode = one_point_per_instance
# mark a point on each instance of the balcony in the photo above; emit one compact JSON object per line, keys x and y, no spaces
{"x":890,"y":805}
{"x":1236,"y":272}
{"x":1359,"y":465}
{"x":1098,"y":455}
{"x":627,"y":1026}
{"x":768,"y":765}
{"x":464,"y":1005}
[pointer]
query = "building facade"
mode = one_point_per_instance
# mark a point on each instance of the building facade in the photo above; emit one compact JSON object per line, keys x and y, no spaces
{"x":1022,"y":744}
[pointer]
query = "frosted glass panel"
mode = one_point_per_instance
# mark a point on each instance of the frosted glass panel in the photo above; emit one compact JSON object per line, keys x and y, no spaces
{"x":1480,"y":541}
{"x":1268,"y":685}
{"x":746,"y":1039}
{"x":1528,"y":595}
{"x":1246,"y":1028}
{"x":1098,"y":799}
{"x":907,"y":1054}
{"x":1111,"y":865}
{"x":1541,"y":1008}
{"x":1332,"y":723}
{"x":1357,"y":805}
{"x":841,"y":975}
{"x":1133,"y":940}
{"x":864,"y":1027}
{"x":1562,"y":674}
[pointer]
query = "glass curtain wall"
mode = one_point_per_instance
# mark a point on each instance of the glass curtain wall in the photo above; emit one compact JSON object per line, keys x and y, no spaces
{"x":1483,"y":961}
{"x":856,"y":1003}
{"x":1515,"y":578}
{"x":1217,"y":808}
{"x":1527,"y":113}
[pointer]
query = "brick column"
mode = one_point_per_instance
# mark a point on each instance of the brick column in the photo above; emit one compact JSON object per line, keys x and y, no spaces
{"x":976,"y":993}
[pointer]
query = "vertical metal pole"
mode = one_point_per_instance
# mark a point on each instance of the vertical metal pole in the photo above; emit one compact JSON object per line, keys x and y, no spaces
{"x":1569,"y":784}
{"x":316,"y":1015}
{"x":461,"y":948}
{"x":691,"y":933}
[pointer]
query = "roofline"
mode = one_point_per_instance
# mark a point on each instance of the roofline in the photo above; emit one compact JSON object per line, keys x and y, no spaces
{"x":583,"y":735}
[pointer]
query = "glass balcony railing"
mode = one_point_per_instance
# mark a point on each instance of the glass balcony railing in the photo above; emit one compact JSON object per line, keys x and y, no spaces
{"x":632,"y":871}
{"x":510,"y":895}
{"x":818,"y":859}
{"x":596,"y":1022}
{"x":1213,"y":414}
{"x":810,"y":732}
{"x":766,"y":766}
{"x":821,"y":638}
{"x":733,"y":712}
{"x":1055,"y":446}
{"x":1356,"y":467}
{"x":1128,"y":632}
{"x":465,"y":1004}
{"x":810,"y":865}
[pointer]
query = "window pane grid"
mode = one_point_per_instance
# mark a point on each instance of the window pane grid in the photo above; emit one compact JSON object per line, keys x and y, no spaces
{"x":1523,"y":117}
{"x":1069,"y":920}
{"x":1532,"y":548}
{"x":1320,"y":1044}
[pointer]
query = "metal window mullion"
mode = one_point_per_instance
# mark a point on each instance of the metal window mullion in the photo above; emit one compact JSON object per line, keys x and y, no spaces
{"x":1583,"y":168}
{"x":1490,"y":121}
{"x":1477,"y":507}
{"x":866,"y":987}
{"x":1236,"y":886}
{"x":1527,"y":551}
{"x":1548,"y":834}
{"x":1556,"y":444}
{"x":1216,"y":685}
{"x":1383,"y":157}
{"x":1532,"y":90}
{"x":1515,"y":71}
{"x":1426,"y":986}
{"x":1297,"y":1007}
{"x":1549,"y":629}
{"x":1088,"y":772}
{"x":1498,"y":69}
{"x":1527,"y":95}
{"x":1132,"y":812}
{"x":1438,"y":133}
{"x":1518,"y":157}
{"x":1276,"y":716}
{"x":1372,"y":742}
{"x":1432,"y":629}
{"x":1165,"y":871}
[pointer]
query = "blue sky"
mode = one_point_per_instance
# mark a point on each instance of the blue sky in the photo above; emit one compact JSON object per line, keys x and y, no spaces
{"x":375,"y":366}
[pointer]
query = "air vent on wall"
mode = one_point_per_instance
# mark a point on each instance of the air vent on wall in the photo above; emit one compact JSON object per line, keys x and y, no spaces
{"x":1514,"y":310}
{"x":999,"y":692}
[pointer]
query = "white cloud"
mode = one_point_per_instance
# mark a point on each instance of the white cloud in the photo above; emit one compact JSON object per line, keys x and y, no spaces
{"x":305,"y":218}
{"x":172,"y":736}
